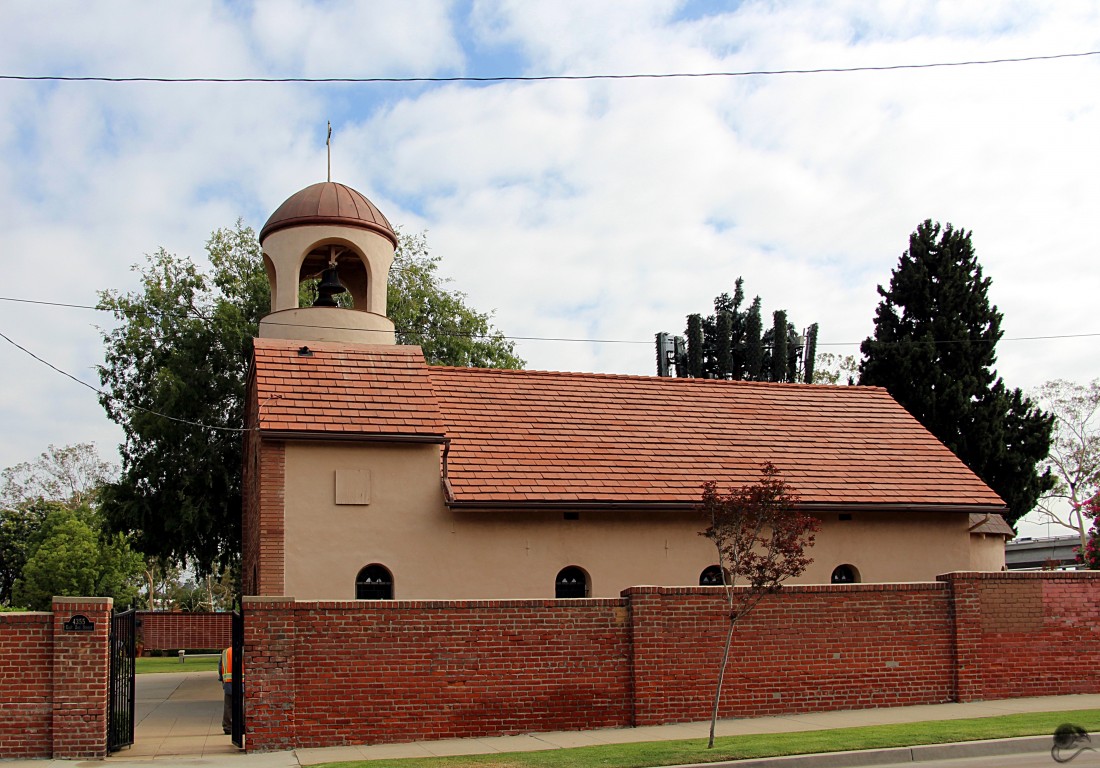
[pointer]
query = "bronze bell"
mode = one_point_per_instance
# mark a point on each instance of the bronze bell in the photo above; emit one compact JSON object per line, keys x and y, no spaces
{"x":328,"y":287}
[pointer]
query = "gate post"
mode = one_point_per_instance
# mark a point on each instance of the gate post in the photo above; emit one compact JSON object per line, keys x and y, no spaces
{"x":81,"y":676}
{"x":270,"y":644}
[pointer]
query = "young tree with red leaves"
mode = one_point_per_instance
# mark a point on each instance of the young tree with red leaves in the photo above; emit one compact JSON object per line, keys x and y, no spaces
{"x":1089,"y":555}
{"x":761,"y":537}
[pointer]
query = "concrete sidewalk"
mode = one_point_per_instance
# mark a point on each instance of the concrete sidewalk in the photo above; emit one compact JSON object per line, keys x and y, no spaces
{"x":179,"y":723}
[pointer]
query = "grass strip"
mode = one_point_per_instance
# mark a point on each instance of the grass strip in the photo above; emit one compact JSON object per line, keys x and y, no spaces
{"x":655,"y":753}
{"x":144,"y":665}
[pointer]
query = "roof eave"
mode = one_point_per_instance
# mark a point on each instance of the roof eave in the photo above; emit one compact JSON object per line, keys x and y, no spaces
{"x":809,"y":506}
{"x":352,"y":437}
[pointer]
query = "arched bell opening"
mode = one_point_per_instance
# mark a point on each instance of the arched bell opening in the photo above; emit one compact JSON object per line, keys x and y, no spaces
{"x":272,"y":279}
{"x":334,"y":274}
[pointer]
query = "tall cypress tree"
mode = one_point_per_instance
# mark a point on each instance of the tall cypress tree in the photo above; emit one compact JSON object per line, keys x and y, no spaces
{"x":754,"y":344}
{"x":695,"y":346}
{"x":811,"y":354}
{"x":934,"y":349}
{"x":779,"y":346}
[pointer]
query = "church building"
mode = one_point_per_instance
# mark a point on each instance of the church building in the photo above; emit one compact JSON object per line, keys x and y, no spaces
{"x":372,"y":475}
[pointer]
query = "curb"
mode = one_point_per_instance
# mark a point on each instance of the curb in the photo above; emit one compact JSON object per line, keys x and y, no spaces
{"x":891,"y":756}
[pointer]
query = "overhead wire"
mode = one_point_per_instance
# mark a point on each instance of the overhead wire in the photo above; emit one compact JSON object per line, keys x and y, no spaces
{"x":490,"y":79}
{"x":542,"y":78}
{"x":563,"y":339}
{"x":239,"y":430}
{"x":101,"y":393}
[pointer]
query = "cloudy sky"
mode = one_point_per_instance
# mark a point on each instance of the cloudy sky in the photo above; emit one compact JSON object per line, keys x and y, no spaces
{"x":597,"y":210}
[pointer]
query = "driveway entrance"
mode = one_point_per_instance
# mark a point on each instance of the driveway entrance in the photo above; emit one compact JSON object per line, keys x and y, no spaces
{"x":177,"y":713}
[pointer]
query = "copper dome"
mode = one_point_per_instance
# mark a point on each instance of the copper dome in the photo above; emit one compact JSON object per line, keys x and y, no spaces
{"x":329,"y":203}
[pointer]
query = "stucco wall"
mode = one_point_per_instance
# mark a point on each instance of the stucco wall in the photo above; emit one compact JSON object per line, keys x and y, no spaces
{"x":435,"y":552}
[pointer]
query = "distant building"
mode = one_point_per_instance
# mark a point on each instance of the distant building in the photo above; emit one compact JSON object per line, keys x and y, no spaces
{"x":370,"y":474}
{"x":1052,"y":553}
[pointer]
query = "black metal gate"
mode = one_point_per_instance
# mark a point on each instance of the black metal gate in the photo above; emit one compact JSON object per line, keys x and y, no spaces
{"x":120,"y":703}
{"x":238,"y":678}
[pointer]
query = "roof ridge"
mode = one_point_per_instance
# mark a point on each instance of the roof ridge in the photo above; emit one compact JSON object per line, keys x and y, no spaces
{"x":680,"y":381}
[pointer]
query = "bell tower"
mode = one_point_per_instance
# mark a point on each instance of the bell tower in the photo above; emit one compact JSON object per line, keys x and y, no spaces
{"x":328,"y":231}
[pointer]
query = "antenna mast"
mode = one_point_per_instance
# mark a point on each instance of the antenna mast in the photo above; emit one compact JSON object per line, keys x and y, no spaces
{"x":328,"y":147}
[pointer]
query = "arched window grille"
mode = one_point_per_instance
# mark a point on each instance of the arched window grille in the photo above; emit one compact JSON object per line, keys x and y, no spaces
{"x":571,"y":582}
{"x":711,"y":576}
{"x":374,"y":582}
{"x":845,"y":574}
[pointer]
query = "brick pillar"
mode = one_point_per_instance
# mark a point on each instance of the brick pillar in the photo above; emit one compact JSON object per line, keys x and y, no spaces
{"x":271,"y":487}
{"x":645,"y":610}
{"x":966,"y":603}
{"x":269,"y":679}
{"x":81,"y":678}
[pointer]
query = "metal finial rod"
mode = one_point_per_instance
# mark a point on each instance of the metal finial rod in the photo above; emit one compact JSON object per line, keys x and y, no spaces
{"x":328,"y":147}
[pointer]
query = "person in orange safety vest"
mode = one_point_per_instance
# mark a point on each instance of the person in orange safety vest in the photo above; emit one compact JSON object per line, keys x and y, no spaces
{"x":225,"y":676}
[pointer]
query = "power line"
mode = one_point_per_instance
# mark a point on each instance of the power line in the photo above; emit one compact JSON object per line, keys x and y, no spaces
{"x":103,"y":394}
{"x":562,"y":339}
{"x":540,"y":78}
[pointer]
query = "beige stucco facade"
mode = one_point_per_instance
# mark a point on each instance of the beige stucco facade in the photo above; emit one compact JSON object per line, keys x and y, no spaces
{"x":344,"y":466}
{"x":434,"y":551}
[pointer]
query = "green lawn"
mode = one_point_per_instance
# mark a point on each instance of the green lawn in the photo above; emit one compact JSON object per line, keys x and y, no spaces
{"x":151,"y":664}
{"x":765,"y":745}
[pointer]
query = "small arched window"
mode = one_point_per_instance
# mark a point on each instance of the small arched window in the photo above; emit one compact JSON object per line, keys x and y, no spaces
{"x":711,"y":576}
{"x":845,"y":574}
{"x":571,"y":582}
{"x":374,"y":582}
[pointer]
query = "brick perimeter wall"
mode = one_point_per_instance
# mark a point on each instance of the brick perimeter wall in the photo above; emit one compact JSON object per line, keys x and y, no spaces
{"x":54,"y":683}
{"x":333,"y":673}
{"x":805,"y":649}
{"x":404,"y":670}
{"x":1028,"y":634}
{"x":26,"y":685}
{"x":165,"y":631}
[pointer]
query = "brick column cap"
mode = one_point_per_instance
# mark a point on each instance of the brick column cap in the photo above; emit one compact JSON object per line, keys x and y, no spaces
{"x":107,"y":602}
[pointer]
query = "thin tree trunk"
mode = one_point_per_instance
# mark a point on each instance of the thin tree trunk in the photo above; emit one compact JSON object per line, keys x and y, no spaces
{"x":718,"y":689}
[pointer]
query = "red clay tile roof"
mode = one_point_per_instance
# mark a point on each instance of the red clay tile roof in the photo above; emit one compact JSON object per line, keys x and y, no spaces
{"x":991,"y":524}
{"x":538,"y":437}
{"x":346,"y":389}
{"x":534,"y":438}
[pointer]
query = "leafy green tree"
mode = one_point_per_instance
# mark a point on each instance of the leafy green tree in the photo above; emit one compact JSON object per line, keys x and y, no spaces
{"x":426,"y":313}
{"x":182,"y":347}
{"x":69,"y":557}
{"x":69,"y":476}
{"x":174,"y":376}
{"x":19,"y":524}
{"x":934,"y":348}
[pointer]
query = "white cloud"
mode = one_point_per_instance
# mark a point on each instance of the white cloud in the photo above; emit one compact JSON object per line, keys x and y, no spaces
{"x":584,"y":210}
{"x":356,"y":39}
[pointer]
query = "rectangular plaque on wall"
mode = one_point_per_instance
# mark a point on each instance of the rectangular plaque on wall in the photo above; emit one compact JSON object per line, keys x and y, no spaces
{"x":353,"y":486}
{"x":78,"y":622}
